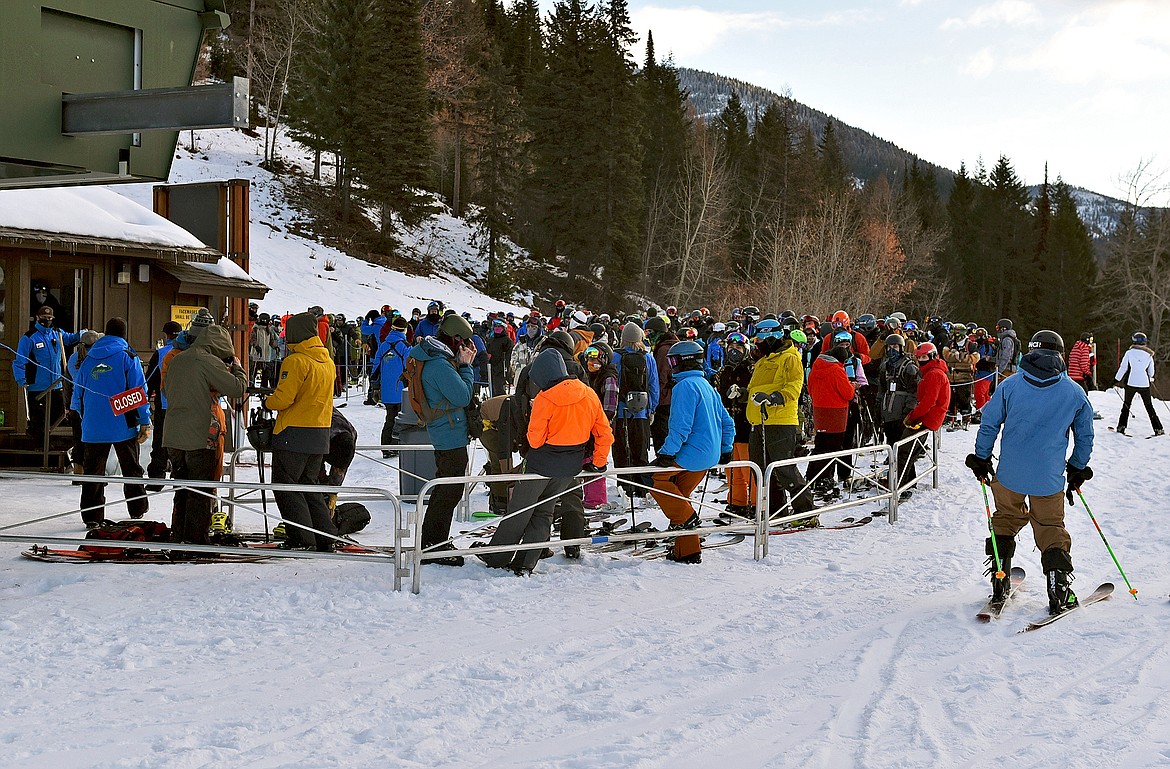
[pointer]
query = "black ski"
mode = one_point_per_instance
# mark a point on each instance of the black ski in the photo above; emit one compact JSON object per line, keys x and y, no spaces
{"x":846,"y":524}
{"x":993,"y":609}
{"x":1103,"y":591}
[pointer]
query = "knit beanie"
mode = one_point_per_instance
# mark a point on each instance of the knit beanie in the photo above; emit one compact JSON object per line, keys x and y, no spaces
{"x":631,"y":335}
{"x":202,"y":320}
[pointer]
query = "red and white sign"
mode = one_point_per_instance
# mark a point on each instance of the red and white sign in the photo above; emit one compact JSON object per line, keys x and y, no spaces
{"x":128,"y":401}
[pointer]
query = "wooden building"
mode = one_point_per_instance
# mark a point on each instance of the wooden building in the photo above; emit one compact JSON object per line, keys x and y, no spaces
{"x":102,"y":256}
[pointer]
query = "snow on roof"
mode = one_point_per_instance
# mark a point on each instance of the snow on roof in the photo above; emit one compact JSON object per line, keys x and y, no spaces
{"x":91,"y":212}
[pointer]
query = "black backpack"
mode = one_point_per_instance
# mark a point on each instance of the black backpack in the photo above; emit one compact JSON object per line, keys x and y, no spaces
{"x":634,"y":382}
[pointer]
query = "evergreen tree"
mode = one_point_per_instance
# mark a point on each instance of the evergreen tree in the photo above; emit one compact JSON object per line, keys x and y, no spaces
{"x":1071,"y":254}
{"x":835,"y":177}
{"x":734,"y":138}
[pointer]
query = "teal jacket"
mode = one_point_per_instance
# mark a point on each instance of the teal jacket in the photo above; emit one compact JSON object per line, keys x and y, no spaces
{"x":446,"y":388}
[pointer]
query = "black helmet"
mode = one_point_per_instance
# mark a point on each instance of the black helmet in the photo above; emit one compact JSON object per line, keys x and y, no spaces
{"x":1087,"y":337}
{"x":787,"y":314}
{"x":1139,"y":337}
{"x":1003,"y":324}
{"x":1046,"y":340}
{"x":685,"y":356}
{"x":895,"y":340}
{"x":867,"y":322}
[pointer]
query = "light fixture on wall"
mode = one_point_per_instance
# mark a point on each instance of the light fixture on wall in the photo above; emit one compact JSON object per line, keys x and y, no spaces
{"x":123,"y":274}
{"x":144,"y":273}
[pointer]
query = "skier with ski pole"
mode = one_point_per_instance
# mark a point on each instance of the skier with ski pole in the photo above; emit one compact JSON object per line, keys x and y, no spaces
{"x":1035,"y":412}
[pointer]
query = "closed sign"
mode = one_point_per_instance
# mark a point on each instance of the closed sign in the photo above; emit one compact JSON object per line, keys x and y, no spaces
{"x":128,"y":401}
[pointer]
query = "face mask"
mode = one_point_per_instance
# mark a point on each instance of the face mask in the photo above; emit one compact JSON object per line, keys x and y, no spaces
{"x":735,"y":354}
{"x":893,"y":353}
{"x":46,"y":322}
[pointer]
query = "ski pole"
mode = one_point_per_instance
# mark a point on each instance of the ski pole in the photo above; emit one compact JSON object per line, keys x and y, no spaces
{"x":1132,"y":590}
{"x":999,"y":574}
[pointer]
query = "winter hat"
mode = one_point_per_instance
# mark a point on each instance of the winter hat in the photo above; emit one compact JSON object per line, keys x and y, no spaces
{"x":657,"y":323}
{"x":171,"y":329}
{"x":89,"y":337}
{"x":548,"y":368}
{"x":300,"y":327}
{"x":202,"y":320}
{"x":399,"y":323}
{"x":455,"y":326}
{"x":631,"y":335}
{"x":578,"y":319}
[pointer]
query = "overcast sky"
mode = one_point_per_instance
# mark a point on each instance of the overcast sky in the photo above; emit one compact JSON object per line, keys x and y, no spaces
{"x":1083,"y":85}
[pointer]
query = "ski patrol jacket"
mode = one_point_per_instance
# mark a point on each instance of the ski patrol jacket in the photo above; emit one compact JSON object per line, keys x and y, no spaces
{"x":446,"y":388}
{"x":1036,"y":411}
{"x":195,"y":378}
{"x":934,"y":395}
{"x":779,"y":372}
{"x":390,"y":362}
{"x":700,"y":429}
{"x":831,"y":393}
{"x":38,"y":360}
{"x":111,"y":367}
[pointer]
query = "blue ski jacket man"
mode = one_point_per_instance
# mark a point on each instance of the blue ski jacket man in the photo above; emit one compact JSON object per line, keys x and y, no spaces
{"x":1045,"y":405}
{"x":111,"y":367}
{"x":700,"y":427}
{"x":390,"y":362}
{"x":38,"y":357}
{"x":447,"y":388}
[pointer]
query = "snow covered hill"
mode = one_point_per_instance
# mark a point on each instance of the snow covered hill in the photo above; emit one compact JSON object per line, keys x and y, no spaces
{"x":854,"y":648}
{"x":303,"y":272}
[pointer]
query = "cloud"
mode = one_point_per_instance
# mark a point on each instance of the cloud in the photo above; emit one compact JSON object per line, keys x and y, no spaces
{"x":1115,"y":41}
{"x":687,"y":32}
{"x":1011,"y":13}
{"x":981,"y":64}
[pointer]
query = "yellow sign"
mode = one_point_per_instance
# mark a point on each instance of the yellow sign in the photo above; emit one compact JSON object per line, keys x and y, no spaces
{"x":183,"y":314}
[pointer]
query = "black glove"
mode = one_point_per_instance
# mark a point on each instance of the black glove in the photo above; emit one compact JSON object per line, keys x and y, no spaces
{"x":982,"y":468}
{"x":725,"y":457}
{"x":663,"y":460}
{"x":592,"y":468}
{"x":770,"y":399}
{"x":1075,"y":478}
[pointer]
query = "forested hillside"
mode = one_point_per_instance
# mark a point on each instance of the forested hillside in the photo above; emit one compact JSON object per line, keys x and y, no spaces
{"x":542,"y":130}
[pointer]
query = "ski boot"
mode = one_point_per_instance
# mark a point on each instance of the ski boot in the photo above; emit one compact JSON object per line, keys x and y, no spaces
{"x":1007,"y":548}
{"x":1058,"y":573}
{"x":220,"y":523}
{"x":693,"y":522}
{"x":280,"y":532}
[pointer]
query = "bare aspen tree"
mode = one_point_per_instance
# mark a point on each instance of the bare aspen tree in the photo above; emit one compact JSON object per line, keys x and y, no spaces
{"x":701,"y":208}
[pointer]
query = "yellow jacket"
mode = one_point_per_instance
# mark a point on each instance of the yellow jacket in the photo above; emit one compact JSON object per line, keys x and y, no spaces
{"x":304,"y":393}
{"x":779,"y":372}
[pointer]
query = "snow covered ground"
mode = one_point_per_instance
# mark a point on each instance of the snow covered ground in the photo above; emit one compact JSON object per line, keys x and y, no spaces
{"x":854,"y":648}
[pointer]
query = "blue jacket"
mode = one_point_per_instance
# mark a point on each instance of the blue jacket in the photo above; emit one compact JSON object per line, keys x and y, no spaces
{"x":651,"y":371}
{"x":1036,"y":409}
{"x":714,"y":357}
{"x":373,"y":327}
{"x":38,"y":357}
{"x":427,"y":327}
{"x":700,"y":427}
{"x":445,"y":387}
{"x":389,"y":363}
{"x":110,"y":368}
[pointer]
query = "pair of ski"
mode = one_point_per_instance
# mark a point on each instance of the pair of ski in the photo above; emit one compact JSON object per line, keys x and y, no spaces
{"x":1128,"y":435}
{"x":993,"y":609}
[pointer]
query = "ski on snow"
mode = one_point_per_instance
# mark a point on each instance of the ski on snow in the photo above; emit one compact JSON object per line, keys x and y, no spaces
{"x":993,"y":609}
{"x":1103,"y":591}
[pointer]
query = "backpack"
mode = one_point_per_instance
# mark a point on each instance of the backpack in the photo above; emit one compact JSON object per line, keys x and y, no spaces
{"x":634,"y":382}
{"x":126,"y":531}
{"x":412,"y":378}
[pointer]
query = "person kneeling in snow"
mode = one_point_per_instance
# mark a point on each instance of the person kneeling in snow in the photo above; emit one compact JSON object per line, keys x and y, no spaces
{"x":700,"y":434}
{"x":566,"y":415}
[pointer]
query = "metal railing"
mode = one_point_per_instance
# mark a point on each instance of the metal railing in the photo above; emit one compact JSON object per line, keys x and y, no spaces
{"x":897,"y":486}
{"x":756,"y":527}
{"x":354,"y":493}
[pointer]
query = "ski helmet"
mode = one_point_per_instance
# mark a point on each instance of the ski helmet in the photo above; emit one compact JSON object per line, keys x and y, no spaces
{"x":842,"y":337}
{"x":926,"y":351}
{"x":752,"y":311}
{"x":1003,"y":324}
{"x":736,"y":337}
{"x":807,"y":319}
{"x":690,"y":333}
{"x":901,"y":316}
{"x":685,"y":356}
{"x":1139,"y":337}
{"x":840,"y":319}
{"x":910,"y":325}
{"x":767,"y":328}
{"x":787,"y":314}
{"x":719,"y":327}
{"x":672,"y":310}
{"x":893,"y":323}
{"x":1046,"y":340}
{"x":798,"y":336}
{"x":895,"y":340}
{"x":867,"y":322}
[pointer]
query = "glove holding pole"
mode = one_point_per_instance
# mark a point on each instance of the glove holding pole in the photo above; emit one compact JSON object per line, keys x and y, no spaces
{"x":982,"y":468}
{"x":1076,"y":476}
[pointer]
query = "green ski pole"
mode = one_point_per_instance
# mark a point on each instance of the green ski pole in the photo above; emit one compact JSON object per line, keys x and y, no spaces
{"x":994,"y":545}
{"x":1132,"y":590}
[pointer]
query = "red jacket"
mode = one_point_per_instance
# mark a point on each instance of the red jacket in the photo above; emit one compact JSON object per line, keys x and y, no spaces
{"x":860,"y":345}
{"x":934,"y":396}
{"x":831,"y":391}
{"x":1081,"y":361}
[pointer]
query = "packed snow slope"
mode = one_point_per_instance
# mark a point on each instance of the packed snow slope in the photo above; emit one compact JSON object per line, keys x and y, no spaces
{"x":302,"y":272}
{"x":854,"y":648}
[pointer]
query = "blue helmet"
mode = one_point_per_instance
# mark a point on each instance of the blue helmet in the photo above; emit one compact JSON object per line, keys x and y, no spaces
{"x":767,"y":328}
{"x":685,"y":356}
{"x":842,"y":337}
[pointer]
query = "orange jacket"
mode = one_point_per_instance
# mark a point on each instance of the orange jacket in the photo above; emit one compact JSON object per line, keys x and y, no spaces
{"x":564,"y":418}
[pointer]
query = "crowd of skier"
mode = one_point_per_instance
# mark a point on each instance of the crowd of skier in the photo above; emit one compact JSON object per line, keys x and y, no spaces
{"x":571,"y":392}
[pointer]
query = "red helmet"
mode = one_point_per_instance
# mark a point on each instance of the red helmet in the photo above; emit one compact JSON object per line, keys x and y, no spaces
{"x":840,"y":319}
{"x":386,"y":308}
{"x":926,"y":351}
{"x":704,"y":311}
{"x":560,"y":303}
{"x":672,"y":310}
{"x":690,"y":332}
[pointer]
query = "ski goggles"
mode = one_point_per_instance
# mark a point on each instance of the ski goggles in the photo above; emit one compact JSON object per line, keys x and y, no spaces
{"x":736,"y":337}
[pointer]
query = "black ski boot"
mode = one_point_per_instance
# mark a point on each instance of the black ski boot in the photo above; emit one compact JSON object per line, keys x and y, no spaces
{"x":1058,"y":572}
{"x":1007,"y":548}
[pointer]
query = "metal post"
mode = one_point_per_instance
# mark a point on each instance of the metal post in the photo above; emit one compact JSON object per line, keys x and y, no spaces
{"x":895,"y":478}
{"x":935,"y":442}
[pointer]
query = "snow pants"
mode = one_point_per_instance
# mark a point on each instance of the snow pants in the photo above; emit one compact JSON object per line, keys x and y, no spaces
{"x":530,"y":518}
{"x":1046,"y":514}
{"x":769,"y":443}
{"x":631,"y":448}
{"x":1123,"y":421}
{"x":94,"y":494}
{"x":682,"y":483}
{"x":741,"y":479}
{"x":306,"y":509}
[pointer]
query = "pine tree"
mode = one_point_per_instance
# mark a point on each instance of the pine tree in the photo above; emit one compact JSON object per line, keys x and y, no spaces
{"x":835,"y":177}
{"x":732,"y":131}
{"x":1071,"y":252}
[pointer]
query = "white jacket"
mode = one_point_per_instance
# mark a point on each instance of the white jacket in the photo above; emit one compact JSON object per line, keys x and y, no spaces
{"x":1137,"y":367}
